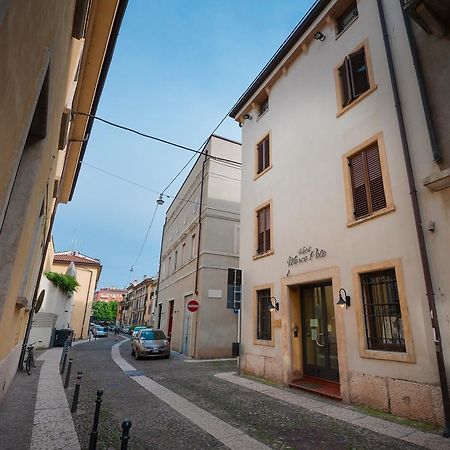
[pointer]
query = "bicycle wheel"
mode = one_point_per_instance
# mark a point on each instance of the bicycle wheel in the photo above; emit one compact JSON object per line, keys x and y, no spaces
{"x":29,"y":363}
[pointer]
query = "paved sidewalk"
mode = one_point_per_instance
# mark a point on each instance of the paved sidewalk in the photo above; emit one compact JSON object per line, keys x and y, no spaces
{"x":343,"y":413}
{"x":53,"y":426}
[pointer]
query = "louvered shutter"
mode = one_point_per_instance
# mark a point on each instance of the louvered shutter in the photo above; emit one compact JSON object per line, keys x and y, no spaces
{"x":360,"y":197}
{"x":358,"y":73}
{"x":375,"y":178}
{"x":261,"y":231}
{"x":267,"y":230}
{"x":260,"y":153}
{"x":343,"y":75}
{"x":266,"y":153}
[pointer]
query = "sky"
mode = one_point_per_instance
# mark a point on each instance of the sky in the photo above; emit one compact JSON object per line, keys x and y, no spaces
{"x":178,"y":68}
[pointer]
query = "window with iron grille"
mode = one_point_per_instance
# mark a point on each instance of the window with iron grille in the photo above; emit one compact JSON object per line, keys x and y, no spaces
{"x":263,"y":217}
{"x":263,"y":106}
{"x":367,"y":182}
{"x":354,"y":77}
{"x":263,"y":155}
{"x":264,"y":315}
{"x":346,"y":18}
{"x":382,"y":313}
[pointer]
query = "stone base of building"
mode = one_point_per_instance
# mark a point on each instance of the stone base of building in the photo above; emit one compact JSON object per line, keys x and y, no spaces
{"x":8,"y":368}
{"x":416,"y":401}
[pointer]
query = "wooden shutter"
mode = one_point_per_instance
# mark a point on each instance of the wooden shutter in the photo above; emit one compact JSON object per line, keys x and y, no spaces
{"x":260,"y":152}
{"x":358,"y":73}
{"x":266,"y":153}
{"x":263,"y":154}
{"x":375,"y":178}
{"x":263,"y":230}
{"x":345,"y":92}
{"x":358,"y":180}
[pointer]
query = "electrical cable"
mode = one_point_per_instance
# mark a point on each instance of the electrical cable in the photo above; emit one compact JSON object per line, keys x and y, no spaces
{"x":149,"y":136}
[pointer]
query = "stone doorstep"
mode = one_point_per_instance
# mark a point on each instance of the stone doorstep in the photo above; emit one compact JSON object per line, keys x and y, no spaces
{"x":343,"y":413}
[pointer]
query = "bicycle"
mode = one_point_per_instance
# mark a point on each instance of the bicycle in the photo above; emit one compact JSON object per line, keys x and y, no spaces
{"x":29,"y":361}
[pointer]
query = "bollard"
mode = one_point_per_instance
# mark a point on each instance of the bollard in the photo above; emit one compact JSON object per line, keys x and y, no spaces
{"x":94,"y":433}
{"x":76,"y":393}
{"x":125,"y":434}
{"x":63,"y":367}
{"x":69,"y":368}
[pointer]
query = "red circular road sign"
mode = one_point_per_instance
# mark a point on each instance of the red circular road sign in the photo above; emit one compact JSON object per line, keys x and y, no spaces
{"x":192,"y":306}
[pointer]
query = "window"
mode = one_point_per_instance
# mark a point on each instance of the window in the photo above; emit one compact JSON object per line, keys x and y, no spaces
{"x":263,"y":106}
{"x":367,"y":182}
{"x":353,"y":77}
{"x":193,"y":246}
{"x":263,"y":155}
{"x":183,"y":253}
{"x":264,"y":315}
{"x":169,"y":269}
{"x":382,"y":314}
{"x":346,"y":18}
{"x":175,"y":260}
{"x":263,"y":221}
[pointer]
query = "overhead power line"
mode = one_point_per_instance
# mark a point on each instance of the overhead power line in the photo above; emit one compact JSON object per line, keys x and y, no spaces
{"x":149,"y":136}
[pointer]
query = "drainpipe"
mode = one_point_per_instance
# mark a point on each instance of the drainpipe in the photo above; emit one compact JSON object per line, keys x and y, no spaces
{"x":87,"y":300}
{"x":419,"y":230}
{"x":436,"y":151}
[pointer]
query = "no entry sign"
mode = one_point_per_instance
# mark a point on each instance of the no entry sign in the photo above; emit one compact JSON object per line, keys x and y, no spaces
{"x":192,"y":306}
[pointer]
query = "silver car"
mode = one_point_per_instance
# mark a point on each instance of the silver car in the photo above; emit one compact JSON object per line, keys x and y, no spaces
{"x":100,"y":331}
{"x":149,"y":342}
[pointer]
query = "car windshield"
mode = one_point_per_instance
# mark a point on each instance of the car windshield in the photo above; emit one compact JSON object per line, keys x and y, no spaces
{"x":152,"y":335}
{"x":102,"y":329}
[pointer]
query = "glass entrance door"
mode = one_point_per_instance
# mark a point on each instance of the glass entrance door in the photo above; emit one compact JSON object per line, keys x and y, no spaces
{"x":319,"y":332}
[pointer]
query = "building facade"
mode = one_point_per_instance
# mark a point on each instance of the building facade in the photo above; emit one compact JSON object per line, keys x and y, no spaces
{"x":88,"y":272}
{"x":329,"y":217}
{"x":200,"y":242}
{"x":66,"y":48}
{"x":138,"y":302}
{"x":111,"y":294}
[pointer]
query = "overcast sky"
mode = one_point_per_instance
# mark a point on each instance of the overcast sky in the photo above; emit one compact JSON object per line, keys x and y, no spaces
{"x":178,"y":67}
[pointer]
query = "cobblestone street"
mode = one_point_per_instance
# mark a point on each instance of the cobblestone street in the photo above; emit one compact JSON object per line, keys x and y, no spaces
{"x":257,"y":419}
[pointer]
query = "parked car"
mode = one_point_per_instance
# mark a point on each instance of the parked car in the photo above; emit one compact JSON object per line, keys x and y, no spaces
{"x":99,"y":331}
{"x":125,"y":329}
{"x":136,"y":330}
{"x":150,"y":342}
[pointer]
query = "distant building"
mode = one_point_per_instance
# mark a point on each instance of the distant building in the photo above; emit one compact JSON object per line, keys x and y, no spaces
{"x":138,"y":302}
{"x":200,"y":242}
{"x":88,"y":272}
{"x":112,"y":294}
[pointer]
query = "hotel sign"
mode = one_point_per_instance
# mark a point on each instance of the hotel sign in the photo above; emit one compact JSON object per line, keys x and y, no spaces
{"x":306,"y":254}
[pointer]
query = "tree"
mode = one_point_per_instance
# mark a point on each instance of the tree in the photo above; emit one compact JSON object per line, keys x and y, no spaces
{"x":106,"y":311}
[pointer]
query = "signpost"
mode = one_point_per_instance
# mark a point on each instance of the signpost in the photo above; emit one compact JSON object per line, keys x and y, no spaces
{"x":192,"y":306}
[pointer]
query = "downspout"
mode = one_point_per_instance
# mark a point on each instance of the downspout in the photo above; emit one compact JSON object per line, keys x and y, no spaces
{"x":437,"y":154}
{"x":419,"y":230}
{"x":87,"y":301}
{"x":197,"y":268}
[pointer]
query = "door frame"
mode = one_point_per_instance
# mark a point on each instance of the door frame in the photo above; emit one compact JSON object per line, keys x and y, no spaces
{"x":327,"y":372}
{"x":290,"y":300}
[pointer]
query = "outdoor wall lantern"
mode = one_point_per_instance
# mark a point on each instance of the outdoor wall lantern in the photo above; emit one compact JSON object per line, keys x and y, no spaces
{"x":344,"y":299}
{"x":160,"y":200}
{"x":247,"y":117}
{"x":274,"y":306}
{"x":319,"y":36}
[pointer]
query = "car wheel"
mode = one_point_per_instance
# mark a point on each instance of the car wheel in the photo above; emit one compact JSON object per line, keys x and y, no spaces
{"x":166,"y":356}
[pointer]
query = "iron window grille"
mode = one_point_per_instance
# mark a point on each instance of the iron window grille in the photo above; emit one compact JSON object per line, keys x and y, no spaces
{"x":346,"y":18}
{"x":354,"y":76}
{"x":263,"y":106}
{"x":264,"y":315}
{"x":382,"y":313}
{"x":263,"y":154}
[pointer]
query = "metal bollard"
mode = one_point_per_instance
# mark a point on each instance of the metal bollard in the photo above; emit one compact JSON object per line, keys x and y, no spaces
{"x":63,"y":367}
{"x":125,"y":434}
{"x":76,"y":393}
{"x":69,"y":368}
{"x":94,"y":433}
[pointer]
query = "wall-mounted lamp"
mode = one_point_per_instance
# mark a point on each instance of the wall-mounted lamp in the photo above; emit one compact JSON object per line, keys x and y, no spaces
{"x":319,"y":36}
{"x":247,"y":117}
{"x":344,"y":299}
{"x":274,"y":306}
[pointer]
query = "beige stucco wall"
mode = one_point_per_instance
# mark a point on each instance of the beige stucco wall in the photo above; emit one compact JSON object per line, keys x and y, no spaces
{"x":306,"y":187}
{"x":213,"y":328}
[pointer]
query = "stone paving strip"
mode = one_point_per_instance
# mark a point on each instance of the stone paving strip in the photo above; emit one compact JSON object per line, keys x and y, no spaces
{"x":343,"y":413}
{"x":53,"y":426}
{"x":228,"y":435}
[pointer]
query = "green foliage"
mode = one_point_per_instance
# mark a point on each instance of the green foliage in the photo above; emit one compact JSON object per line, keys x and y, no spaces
{"x":106,"y":311}
{"x":67,"y":283}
